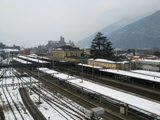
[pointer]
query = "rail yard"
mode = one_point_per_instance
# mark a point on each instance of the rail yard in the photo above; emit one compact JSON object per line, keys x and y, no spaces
{"x":67,"y":91}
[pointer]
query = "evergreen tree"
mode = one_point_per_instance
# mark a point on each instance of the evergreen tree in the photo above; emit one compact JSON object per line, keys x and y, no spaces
{"x":101,"y":47}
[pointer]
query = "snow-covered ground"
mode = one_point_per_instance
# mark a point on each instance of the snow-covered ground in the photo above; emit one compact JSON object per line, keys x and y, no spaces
{"x":61,"y":109}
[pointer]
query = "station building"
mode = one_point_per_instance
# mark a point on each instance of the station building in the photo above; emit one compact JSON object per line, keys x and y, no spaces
{"x":125,"y":65}
{"x":68,"y":53}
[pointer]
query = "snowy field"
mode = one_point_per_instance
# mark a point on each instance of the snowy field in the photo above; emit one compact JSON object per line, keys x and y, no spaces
{"x":60,"y":109}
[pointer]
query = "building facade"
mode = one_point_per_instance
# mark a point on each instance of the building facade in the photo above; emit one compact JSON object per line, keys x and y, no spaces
{"x":110,"y":64}
{"x":66,"y":53}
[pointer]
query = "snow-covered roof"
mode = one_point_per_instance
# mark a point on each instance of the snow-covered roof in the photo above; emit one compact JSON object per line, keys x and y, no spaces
{"x":102,"y":60}
{"x":59,"y":49}
{"x":56,"y":74}
{"x":36,"y":56}
{"x":146,"y":60}
{"x":32,"y":55}
{"x":123,"y":62}
{"x":48,"y":71}
{"x":10,"y":50}
{"x":91,"y":66}
{"x":21,"y":61}
{"x":131,"y":74}
{"x":136,"y":56}
{"x":32,"y":59}
{"x":151,"y":73}
{"x":108,"y":61}
{"x":129,"y":99}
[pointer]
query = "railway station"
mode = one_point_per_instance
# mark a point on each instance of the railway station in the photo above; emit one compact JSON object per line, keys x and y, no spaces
{"x":31,"y":62}
{"x":140,"y":76}
{"x":128,"y":101}
{"x":94,"y":82}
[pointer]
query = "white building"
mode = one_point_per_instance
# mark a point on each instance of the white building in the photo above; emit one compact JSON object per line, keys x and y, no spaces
{"x":145,"y":64}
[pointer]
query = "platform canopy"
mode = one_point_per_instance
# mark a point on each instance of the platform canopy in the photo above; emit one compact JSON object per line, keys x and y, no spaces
{"x":126,"y":98}
{"x":90,"y":66}
{"x":132,"y":100}
{"x":145,"y":72}
{"x":21,"y":61}
{"x":32,"y":59}
{"x":55,"y":74}
{"x":131,"y":74}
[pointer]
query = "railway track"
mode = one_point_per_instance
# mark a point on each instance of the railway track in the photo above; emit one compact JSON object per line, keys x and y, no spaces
{"x":144,"y":93}
{"x":52,"y":102}
{"x":138,"y":89}
{"x":36,"y":114}
{"x":5,"y":94}
{"x":60,"y":105}
{"x":49,"y":83}
{"x":52,"y":86}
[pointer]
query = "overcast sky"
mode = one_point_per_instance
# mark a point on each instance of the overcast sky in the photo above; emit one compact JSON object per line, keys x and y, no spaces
{"x":31,"y":23}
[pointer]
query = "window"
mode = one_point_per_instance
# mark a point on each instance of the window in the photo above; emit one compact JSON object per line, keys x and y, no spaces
{"x":71,"y":54}
{"x":66,"y":54}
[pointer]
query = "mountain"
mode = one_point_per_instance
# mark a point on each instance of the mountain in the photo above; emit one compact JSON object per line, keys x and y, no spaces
{"x":144,"y":33}
{"x":109,"y":30}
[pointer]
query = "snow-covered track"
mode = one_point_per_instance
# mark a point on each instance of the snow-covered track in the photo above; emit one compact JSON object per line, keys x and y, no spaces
{"x":85,"y":103}
{"x":51,"y":103}
{"x":15,"y":105}
{"x":36,"y":114}
{"x":56,"y":103}
{"x":7,"y":99}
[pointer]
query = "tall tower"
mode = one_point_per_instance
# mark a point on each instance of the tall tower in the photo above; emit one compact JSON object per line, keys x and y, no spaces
{"x":62,"y":42}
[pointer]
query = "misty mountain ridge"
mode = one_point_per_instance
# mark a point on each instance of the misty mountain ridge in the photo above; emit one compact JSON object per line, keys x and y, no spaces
{"x":130,"y":32}
{"x":144,"y":33}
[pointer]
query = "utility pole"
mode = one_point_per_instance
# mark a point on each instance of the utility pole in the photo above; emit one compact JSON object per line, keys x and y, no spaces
{"x":82,"y":72}
{"x":39,"y":84}
{"x":92,"y":69}
{"x":12,"y":73}
{"x":39,"y":80}
{"x":52,"y":59}
{"x":30,"y":84}
{"x":42,"y":58}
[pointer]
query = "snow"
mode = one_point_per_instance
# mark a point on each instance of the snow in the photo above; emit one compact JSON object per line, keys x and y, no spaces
{"x":34,"y":60}
{"x":91,"y":66}
{"x":10,"y":50}
{"x":17,"y":98}
{"x":48,"y":71}
{"x":36,"y":56}
{"x":108,"y":61}
{"x":21,"y":61}
{"x":60,"y":105}
{"x":101,"y":60}
{"x":131,"y":74}
{"x":151,"y":73}
{"x":129,"y":99}
{"x":56,"y":74}
{"x":146,"y":60}
{"x":132,"y":100}
{"x":124,"y":62}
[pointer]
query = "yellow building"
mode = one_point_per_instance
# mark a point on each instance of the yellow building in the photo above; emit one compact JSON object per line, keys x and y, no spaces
{"x":67,"y":53}
{"x":125,"y":65}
